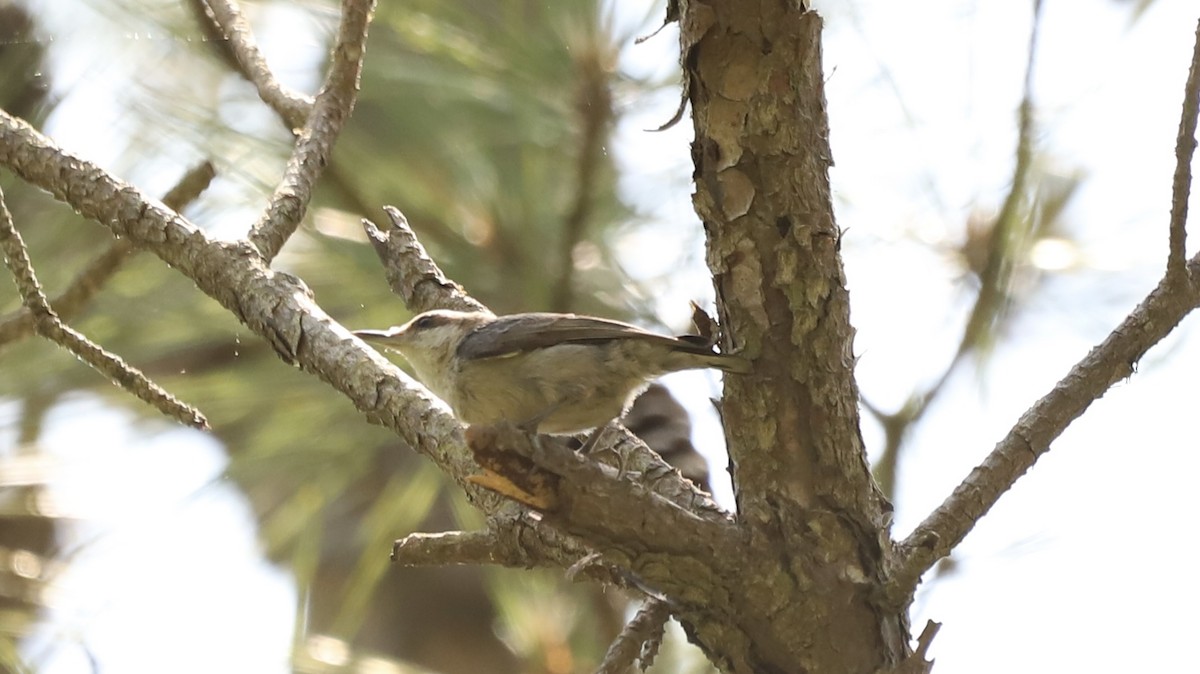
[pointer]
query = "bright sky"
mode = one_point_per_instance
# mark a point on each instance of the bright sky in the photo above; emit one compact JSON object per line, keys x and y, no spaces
{"x":1093,"y":544}
{"x":922,"y":100}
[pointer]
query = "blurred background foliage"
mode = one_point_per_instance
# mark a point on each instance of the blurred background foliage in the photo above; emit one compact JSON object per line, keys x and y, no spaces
{"x":490,"y":124}
{"x":486,"y":122}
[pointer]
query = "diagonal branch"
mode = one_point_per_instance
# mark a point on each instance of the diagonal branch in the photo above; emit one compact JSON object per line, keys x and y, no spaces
{"x":1185,"y":147}
{"x":451,"y":547}
{"x":22,"y":323}
{"x":509,"y":543}
{"x":250,"y":63}
{"x":330,"y":111}
{"x":47,"y":324}
{"x":292,"y":108}
{"x":1113,"y":360}
{"x":917,"y":662}
{"x":638,"y":642}
{"x":515,"y":543}
{"x":95,"y":275}
{"x":410,"y":272}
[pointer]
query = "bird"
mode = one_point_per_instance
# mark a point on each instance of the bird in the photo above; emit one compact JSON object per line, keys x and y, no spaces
{"x":552,"y":373}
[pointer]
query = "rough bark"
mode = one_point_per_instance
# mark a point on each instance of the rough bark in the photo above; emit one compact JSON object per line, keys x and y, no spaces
{"x":805,"y":577}
{"x":804,"y":492}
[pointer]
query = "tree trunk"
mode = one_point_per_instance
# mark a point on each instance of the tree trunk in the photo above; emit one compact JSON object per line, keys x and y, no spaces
{"x":804,"y":492}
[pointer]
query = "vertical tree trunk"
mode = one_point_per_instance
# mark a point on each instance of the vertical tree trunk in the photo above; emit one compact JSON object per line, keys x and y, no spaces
{"x":804,"y":491}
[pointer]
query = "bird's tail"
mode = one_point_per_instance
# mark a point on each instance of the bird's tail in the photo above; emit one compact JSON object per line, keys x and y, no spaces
{"x":699,"y":354}
{"x":729,"y":363}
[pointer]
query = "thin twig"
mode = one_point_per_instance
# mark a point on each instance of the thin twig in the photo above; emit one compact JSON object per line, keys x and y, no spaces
{"x":239,"y":40}
{"x":20,"y":324}
{"x":16,"y":257}
{"x":122,"y":374}
{"x":47,"y":324}
{"x":638,"y":641}
{"x":1113,"y":360}
{"x":210,"y":32}
{"x":1185,"y":147}
{"x":315,"y":145}
{"x":926,"y":639}
{"x":190,"y":186}
{"x":919,"y":662}
{"x":897,"y":424}
{"x":292,"y":112}
{"x":410,"y":272}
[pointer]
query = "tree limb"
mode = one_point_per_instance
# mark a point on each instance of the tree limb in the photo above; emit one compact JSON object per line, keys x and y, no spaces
{"x":48,"y":325}
{"x":20,"y":324}
{"x":1113,"y":360}
{"x":805,"y":496}
{"x":638,"y":642}
{"x":1185,"y":147}
{"x":292,"y":106}
{"x":330,"y":111}
{"x":917,"y":662}
{"x":410,"y":272}
{"x":450,"y":547}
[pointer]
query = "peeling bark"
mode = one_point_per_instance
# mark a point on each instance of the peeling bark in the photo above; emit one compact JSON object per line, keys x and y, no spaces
{"x":803,"y":488}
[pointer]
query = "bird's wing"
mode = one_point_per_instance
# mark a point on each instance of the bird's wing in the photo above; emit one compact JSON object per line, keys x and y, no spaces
{"x":508,"y":335}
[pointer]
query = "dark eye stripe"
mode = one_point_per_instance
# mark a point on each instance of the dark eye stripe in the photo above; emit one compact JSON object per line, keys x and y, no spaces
{"x":426,"y":322}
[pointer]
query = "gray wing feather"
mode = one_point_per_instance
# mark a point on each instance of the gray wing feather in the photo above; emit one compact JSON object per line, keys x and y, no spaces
{"x":518,"y":333}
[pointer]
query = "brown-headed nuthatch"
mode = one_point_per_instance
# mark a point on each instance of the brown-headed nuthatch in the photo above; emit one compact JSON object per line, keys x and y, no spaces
{"x":556,"y":373}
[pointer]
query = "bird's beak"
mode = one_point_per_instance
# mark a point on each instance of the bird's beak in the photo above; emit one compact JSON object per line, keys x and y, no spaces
{"x":383,"y":337}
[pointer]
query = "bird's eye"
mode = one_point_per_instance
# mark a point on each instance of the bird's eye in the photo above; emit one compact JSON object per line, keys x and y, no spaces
{"x":425,"y":322}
